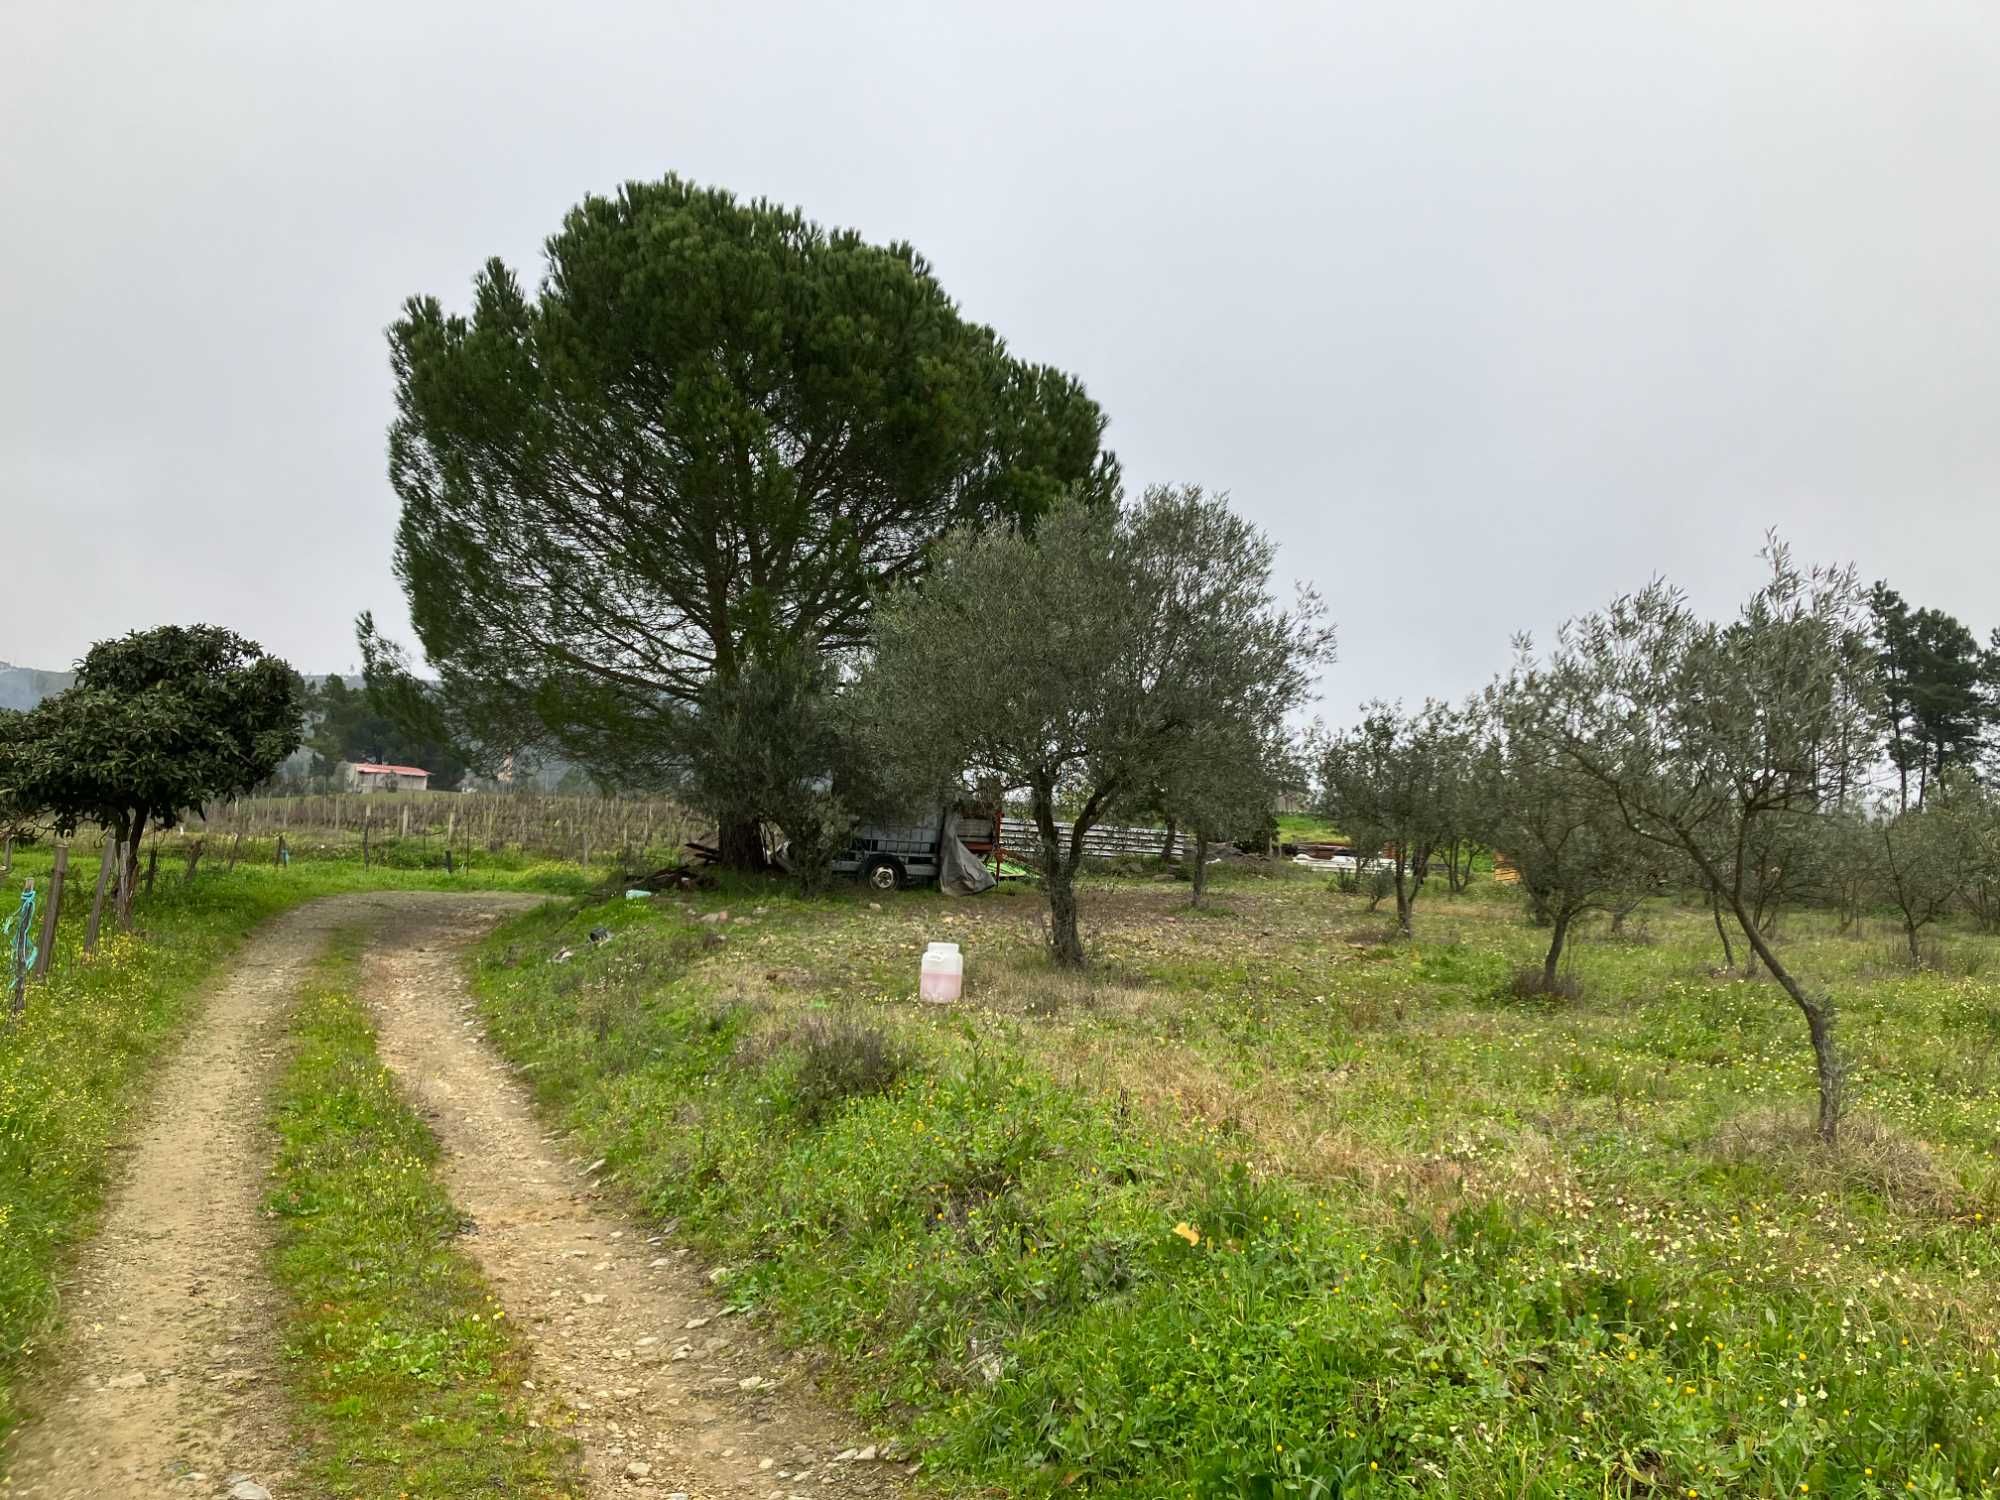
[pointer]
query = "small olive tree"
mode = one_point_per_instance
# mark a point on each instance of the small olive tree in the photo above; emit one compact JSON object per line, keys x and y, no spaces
{"x":1397,"y":787}
{"x":1982,"y":884}
{"x":1717,"y":742}
{"x":1220,"y":785}
{"x":1848,"y":858}
{"x":1085,"y":664}
{"x":1927,"y":854}
{"x":1574,"y":852}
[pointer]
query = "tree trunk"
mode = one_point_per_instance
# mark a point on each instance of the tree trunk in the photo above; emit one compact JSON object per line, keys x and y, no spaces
{"x":128,"y":873}
{"x":1065,"y":943}
{"x":1910,"y":931}
{"x":1819,"y":1024}
{"x":1167,"y":848}
{"x":1556,"y":940}
{"x":1058,"y":878}
{"x":1200,"y":876}
{"x":1728,"y":951}
{"x":741,"y":844}
{"x":1403,"y":902}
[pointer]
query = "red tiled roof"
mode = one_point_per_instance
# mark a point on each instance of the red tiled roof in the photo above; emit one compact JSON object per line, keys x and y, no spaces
{"x":370,"y":768}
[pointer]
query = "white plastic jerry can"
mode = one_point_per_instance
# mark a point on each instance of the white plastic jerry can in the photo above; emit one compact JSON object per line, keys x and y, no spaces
{"x":943,"y":973}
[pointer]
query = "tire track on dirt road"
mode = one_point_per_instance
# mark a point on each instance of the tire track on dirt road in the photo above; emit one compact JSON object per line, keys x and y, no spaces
{"x":164,"y":1379}
{"x":667,"y":1396}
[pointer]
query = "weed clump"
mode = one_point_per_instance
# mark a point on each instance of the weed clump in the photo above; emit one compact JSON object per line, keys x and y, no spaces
{"x":839,"y":1059}
{"x":1532,"y":982}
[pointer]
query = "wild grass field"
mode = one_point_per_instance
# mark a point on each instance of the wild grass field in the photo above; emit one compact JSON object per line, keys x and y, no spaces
{"x":1268,"y":1204}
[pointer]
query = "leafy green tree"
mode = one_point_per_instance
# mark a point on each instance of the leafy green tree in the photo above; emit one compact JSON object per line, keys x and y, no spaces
{"x":1936,"y":693}
{"x":157,"y":724}
{"x":1085,"y":664}
{"x":716,"y":432}
{"x":1397,"y":785}
{"x":1708,"y":738}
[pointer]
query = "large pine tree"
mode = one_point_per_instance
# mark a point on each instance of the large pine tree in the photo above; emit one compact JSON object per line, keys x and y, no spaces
{"x":1937,"y":698}
{"x":715,"y":433}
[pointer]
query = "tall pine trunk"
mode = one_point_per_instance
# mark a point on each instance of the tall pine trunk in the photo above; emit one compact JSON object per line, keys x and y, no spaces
{"x":1200,"y":876}
{"x":741,"y":843}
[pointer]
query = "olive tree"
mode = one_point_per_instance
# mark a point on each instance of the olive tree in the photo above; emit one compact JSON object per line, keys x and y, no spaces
{"x":1927,"y":854}
{"x":1574,"y":852}
{"x":1084,"y":665}
{"x":1982,"y":884}
{"x":1397,"y":787}
{"x":1220,"y":784}
{"x":1718,"y":741}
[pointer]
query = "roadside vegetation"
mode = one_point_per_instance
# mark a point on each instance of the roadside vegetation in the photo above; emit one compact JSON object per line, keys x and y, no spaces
{"x":1268,"y":1202}
{"x":407,"y":1376}
{"x":73,"y":1067}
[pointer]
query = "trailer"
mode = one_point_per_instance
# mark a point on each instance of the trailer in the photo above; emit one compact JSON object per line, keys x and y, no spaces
{"x":891,"y":855}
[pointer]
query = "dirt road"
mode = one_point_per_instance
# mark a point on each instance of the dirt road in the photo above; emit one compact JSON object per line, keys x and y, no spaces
{"x":166,"y":1377}
{"x":668,"y":1395}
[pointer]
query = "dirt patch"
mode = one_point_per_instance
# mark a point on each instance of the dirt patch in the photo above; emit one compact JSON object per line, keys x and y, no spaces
{"x":167,"y":1365}
{"x":665,"y":1391}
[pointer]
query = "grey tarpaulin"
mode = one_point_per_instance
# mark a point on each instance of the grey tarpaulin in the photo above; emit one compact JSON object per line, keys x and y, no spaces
{"x":959,"y":873}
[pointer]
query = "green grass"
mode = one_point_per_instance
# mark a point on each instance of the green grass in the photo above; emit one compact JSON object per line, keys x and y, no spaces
{"x":405,"y":1372}
{"x":1442,"y":1241}
{"x":73,"y":1069}
{"x":1305,"y":828}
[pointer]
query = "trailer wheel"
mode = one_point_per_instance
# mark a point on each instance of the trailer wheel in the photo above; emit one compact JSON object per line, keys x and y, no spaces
{"x":883,"y":873}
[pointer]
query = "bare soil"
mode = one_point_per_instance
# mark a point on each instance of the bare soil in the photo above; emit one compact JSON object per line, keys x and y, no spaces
{"x":165,"y":1379}
{"x":666,"y":1393}
{"x":164,"y":1376}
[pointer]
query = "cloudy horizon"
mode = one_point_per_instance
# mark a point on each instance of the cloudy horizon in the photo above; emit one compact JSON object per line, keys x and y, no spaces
{"x":1483,"y":315}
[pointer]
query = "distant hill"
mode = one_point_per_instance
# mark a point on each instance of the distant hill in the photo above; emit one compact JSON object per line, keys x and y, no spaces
{"x":24,"y":687}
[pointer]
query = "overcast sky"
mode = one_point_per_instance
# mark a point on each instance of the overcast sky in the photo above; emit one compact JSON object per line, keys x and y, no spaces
{"x":1484,"y":312}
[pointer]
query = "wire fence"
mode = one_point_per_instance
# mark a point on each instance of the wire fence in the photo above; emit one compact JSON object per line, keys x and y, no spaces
{"x":423,"y":828}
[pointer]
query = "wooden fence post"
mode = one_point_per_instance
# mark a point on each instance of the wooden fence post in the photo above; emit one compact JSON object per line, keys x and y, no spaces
{"x":97,"y":901}
{"x":49,"y":911}
{"x":367,"y":827}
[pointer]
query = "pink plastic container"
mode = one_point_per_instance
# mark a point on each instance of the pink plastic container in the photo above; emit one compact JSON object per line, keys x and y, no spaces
{"x":943,"y":973}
